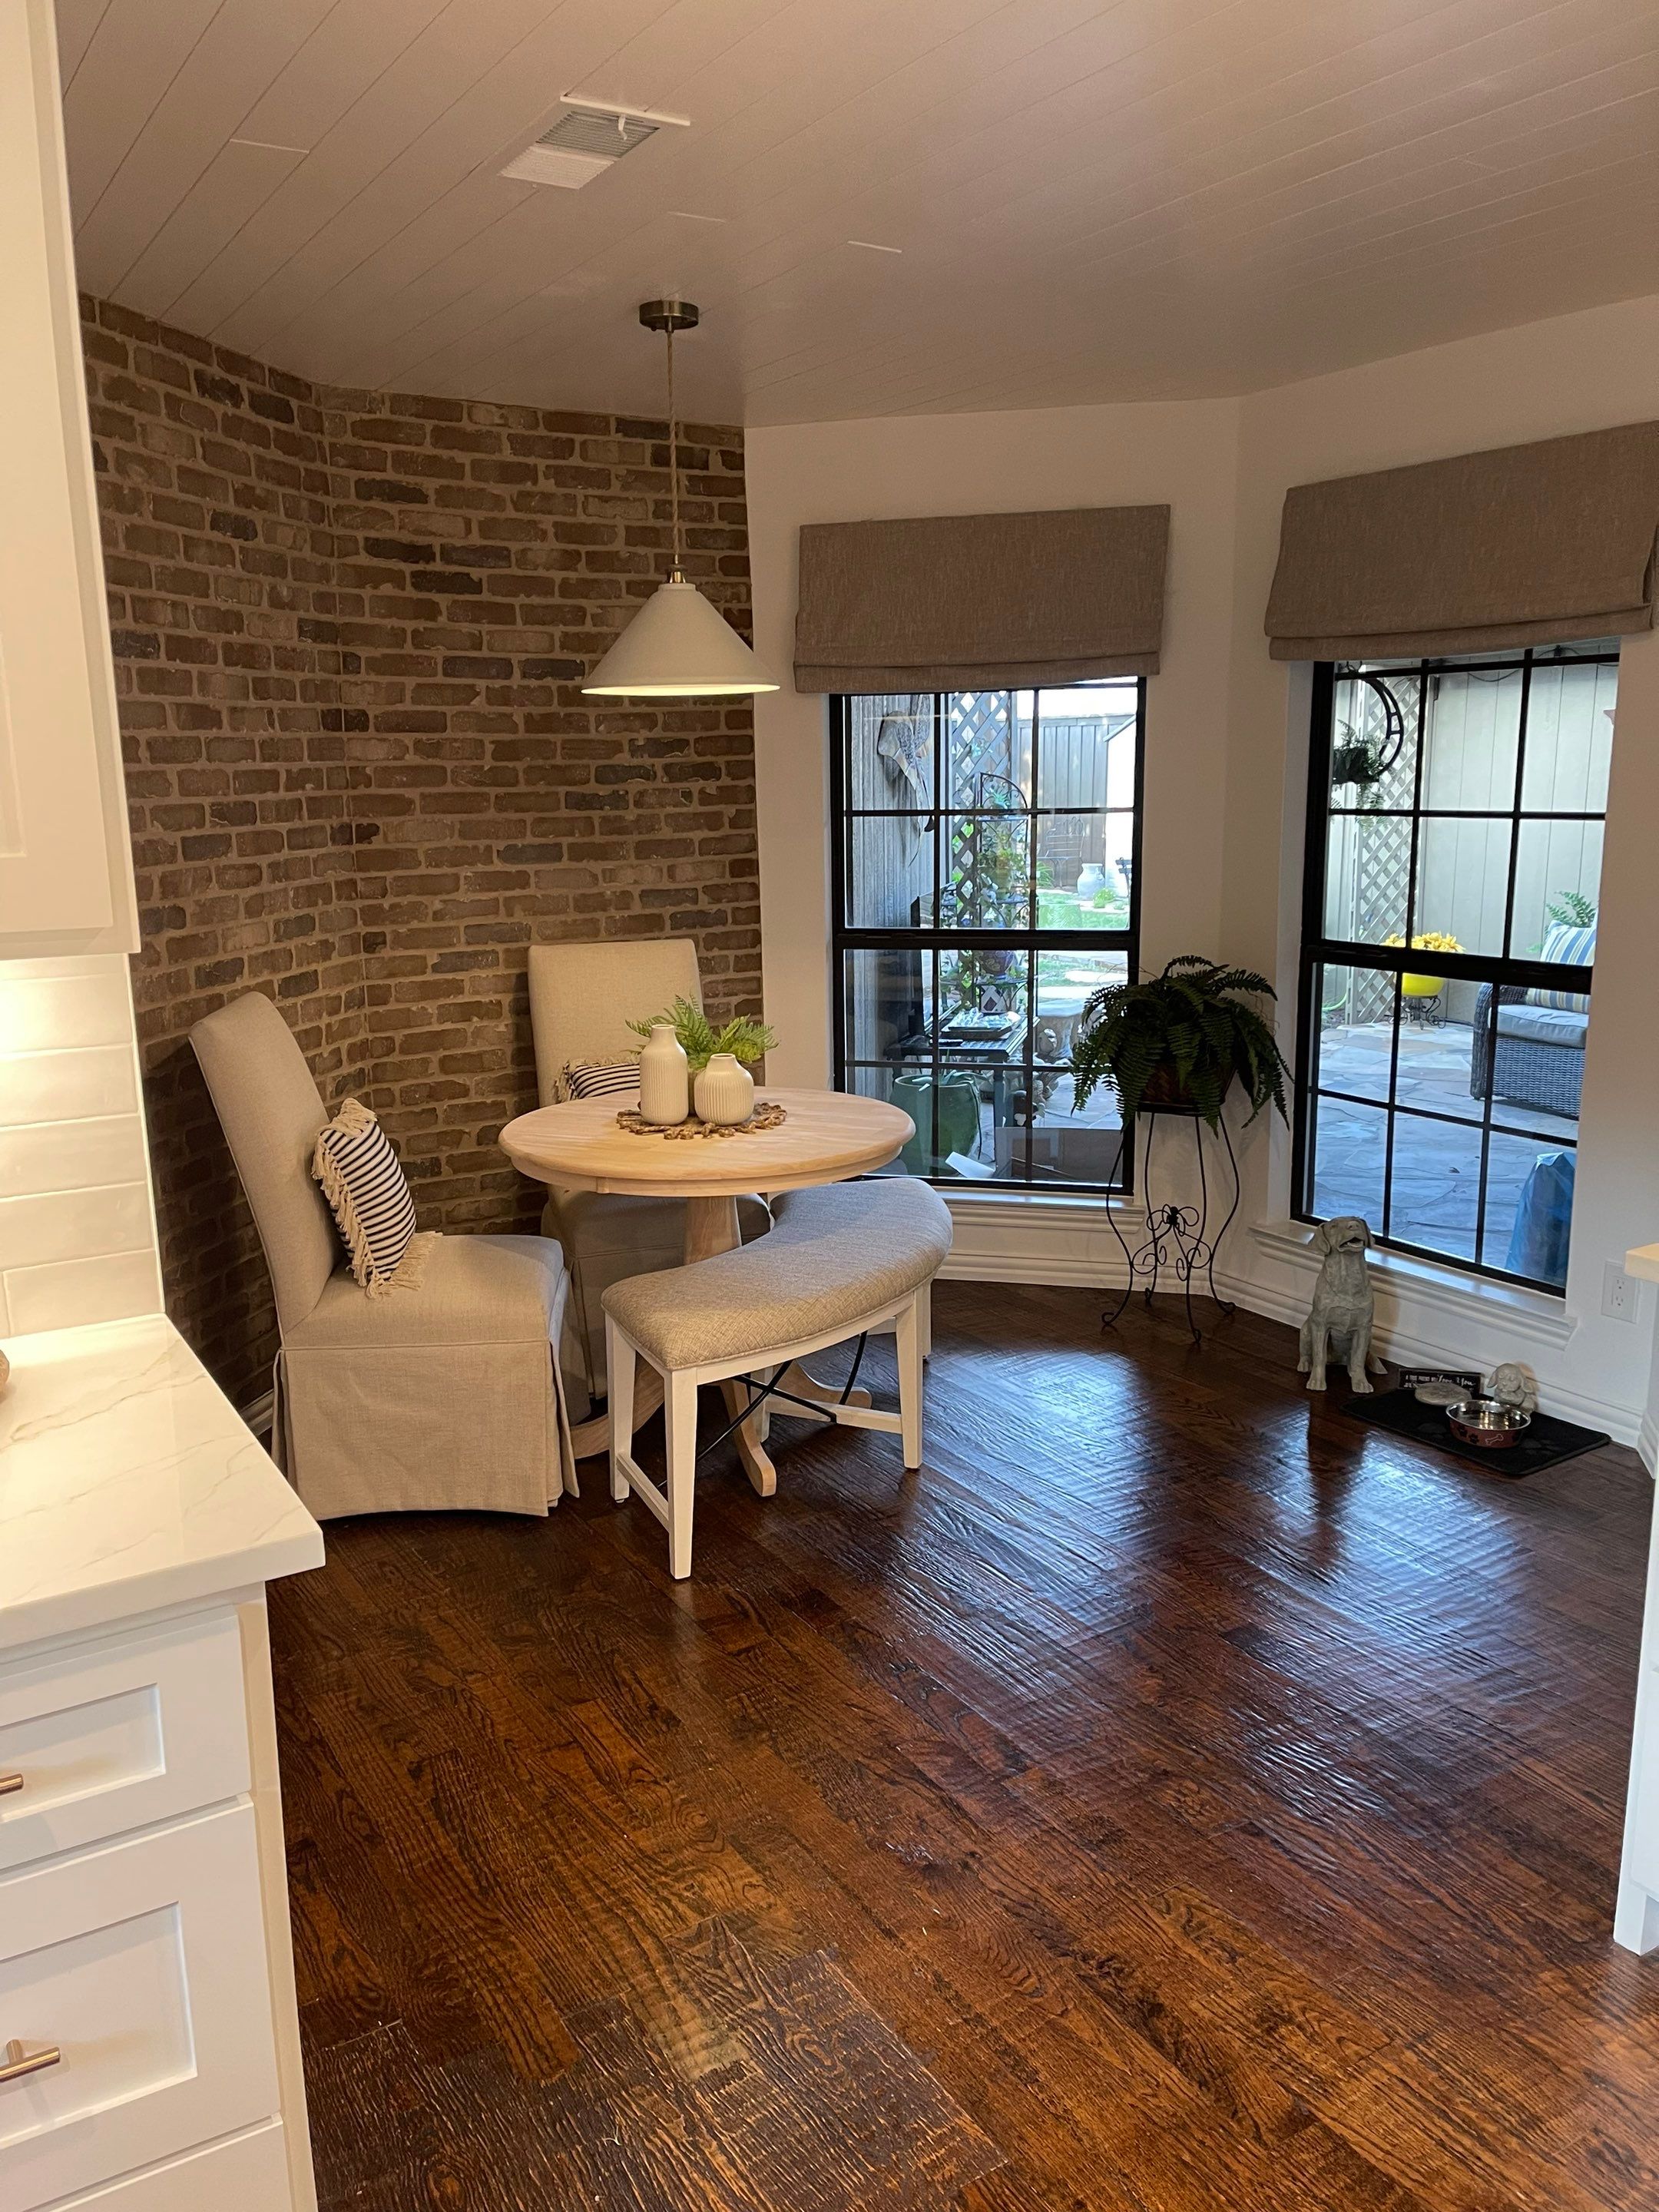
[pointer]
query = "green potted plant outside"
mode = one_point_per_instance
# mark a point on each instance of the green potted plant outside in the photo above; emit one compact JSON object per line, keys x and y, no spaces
{"x":1180,"y":1039}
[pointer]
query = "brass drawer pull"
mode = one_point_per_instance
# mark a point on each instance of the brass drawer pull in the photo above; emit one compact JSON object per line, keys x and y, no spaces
{"x":10,"y":1784}
{"x":17,"y":2065}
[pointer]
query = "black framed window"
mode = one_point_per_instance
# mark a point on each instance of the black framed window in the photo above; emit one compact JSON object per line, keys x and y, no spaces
{"x":1450,"y":908}
{"x":986,"y":865}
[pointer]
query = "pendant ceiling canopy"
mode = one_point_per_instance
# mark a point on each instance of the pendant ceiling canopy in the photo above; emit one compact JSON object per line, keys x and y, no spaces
{"x":678,"y":646}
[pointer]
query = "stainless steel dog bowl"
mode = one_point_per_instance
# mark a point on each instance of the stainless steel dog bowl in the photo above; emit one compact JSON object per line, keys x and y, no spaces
{"x":1487,"y":1422}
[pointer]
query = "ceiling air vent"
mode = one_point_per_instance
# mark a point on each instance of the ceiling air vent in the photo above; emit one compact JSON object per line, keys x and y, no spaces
{"x":582,"y":145}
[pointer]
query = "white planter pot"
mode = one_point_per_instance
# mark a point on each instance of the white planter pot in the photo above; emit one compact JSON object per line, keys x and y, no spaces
{"x":664,"y":1078}
{"x":725,"y":1091}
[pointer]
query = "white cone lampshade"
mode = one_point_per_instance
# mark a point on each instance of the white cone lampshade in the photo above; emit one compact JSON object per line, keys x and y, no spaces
{"x":678,"y":646}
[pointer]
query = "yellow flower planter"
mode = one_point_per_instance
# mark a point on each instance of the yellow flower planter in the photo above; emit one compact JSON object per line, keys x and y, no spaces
{"x":1429,"y":940}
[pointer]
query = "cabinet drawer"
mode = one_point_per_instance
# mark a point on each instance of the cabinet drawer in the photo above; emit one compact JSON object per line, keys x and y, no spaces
{"x":249,"y":2174}
{"x":143,"y":1965}
{"x":109,"y":1735}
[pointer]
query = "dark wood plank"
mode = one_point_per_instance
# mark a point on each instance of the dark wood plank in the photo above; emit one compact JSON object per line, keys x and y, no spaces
{"x":1175,"y":1796}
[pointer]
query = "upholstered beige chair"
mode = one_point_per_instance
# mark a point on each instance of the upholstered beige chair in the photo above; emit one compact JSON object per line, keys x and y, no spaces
{"x":443,"y":1394}
{"x":582,"y":997}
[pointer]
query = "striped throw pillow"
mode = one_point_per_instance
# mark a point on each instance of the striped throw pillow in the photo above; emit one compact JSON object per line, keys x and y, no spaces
{"x":585,"y":1080}
{"x":364,"y":1184}
{"x":1569,"y":948}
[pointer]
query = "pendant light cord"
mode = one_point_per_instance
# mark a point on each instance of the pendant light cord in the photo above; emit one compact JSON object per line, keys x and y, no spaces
{"x":675,"y":575}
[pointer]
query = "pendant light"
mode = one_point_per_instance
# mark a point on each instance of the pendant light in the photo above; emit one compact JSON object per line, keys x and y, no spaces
{"x":677,"y":647}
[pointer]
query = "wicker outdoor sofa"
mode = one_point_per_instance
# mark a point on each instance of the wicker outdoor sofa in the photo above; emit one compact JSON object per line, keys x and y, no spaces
{"x":1537,"y":1059}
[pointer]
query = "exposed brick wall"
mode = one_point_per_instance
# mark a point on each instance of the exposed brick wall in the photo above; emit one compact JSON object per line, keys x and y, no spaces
{"x":214,"y":491}
{"x":487,"y":555}
{"x":349,"y":630}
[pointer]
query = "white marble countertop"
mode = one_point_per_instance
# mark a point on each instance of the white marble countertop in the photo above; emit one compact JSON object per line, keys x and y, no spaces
{"x":129,"y":1482}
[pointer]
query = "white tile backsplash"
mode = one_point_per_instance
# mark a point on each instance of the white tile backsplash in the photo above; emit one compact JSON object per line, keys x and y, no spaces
{"x":49,"y":1009}
{"x":71,"y":1155}
{"x":67,"y":1086}
{"x":77,"y":1237}
{"x":70,"y":1223}
{"x":69,"y":1293}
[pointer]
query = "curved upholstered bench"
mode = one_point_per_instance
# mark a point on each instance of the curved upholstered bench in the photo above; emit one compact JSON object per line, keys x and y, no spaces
{"x":843,"y":1261}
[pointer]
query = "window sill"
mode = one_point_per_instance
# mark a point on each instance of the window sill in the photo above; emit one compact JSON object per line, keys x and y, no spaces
{"x":1085,"y":1206}
{"x":1530,"y":1313}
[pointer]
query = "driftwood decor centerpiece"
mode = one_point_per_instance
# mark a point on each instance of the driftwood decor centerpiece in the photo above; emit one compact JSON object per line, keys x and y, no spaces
{"x":767,"y":1115}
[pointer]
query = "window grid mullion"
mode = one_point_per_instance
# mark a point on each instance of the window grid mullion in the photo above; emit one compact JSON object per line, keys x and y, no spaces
{"x":1410,"y":932}
{"x":929,"y":947}
{"x":1504,"y":969}
{"x":1028,"y":1050}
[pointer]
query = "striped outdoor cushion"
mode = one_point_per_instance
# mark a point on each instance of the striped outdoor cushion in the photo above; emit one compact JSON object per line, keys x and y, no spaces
{"x":1570,"y":948}
{"x":585,"y":1080}
{"x":364,"y":1184}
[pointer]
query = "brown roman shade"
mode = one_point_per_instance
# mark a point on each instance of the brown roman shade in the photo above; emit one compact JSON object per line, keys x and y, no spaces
{"x":1524,"y":545}
{"x":979,"y":602}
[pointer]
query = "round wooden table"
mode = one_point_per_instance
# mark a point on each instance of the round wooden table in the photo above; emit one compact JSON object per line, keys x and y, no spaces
{"x":826,"y":1136}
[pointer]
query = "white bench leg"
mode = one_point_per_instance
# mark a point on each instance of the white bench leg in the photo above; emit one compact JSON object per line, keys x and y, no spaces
{"x":909,"y":1335}
{"x":681,"y":1416}
{"x":925,"y":1317}
{"x":619,"y":1362}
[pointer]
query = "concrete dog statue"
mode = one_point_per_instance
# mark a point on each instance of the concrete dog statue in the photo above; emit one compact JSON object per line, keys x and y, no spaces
{"x":1513,"y":1384}
{"x":1340,"y":1321}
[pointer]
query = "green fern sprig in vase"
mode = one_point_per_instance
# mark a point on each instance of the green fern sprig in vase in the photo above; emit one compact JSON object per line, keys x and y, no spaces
{"x":744,"y":1038}
{"x":1181,"y":1038}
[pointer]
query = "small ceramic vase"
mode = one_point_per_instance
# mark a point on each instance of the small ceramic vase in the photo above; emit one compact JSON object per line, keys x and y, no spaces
{"x":664,"y":1078}
{"x":725,"y":1091}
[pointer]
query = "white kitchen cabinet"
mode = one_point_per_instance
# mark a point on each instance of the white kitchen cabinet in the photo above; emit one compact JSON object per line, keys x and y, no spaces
{"x":249,"y":2173}
{"x":136,"y":1964}
{"x":65,"y":862}
{"x":118,"y":1733}
{"x":149,"y":2048}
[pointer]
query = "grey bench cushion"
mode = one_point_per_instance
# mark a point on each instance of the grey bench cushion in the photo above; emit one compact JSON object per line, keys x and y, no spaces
{"x":835,"y":1255}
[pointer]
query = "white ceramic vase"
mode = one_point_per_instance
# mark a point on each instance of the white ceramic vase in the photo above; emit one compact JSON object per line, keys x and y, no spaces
{"x":664,"y":1078}
{"x":725,"y":1091}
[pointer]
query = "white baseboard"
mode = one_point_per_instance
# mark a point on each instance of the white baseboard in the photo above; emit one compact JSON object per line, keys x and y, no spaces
{"x":1406,"y":1347}
{"x":1061,"y":1270}
{"x":261,"y":1413}
{"x":1647,"y":1443}
{"x":1069,"y":1243}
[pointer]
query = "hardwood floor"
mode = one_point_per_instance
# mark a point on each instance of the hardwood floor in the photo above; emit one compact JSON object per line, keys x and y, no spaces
{"x":1175,"y":1795}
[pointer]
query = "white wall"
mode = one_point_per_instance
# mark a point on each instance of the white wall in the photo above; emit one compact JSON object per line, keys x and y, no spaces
{"x":992,"y":463}
{"x":1581,"y":372}
{"x":1225,"y":777}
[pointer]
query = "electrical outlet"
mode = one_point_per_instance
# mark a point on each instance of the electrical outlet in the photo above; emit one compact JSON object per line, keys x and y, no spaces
{"x":1618,"y":1293}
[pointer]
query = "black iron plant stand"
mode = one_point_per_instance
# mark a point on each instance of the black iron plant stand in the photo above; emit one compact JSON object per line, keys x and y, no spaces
{"x":1177,"y":1240}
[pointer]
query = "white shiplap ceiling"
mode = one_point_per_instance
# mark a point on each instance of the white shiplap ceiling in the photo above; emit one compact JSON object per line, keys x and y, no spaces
{"x":1144,"y":198}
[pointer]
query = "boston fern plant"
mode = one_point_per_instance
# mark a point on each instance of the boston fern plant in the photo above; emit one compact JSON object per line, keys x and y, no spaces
{"x":744,"y":1038}
{"x":1182,"y":1036}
